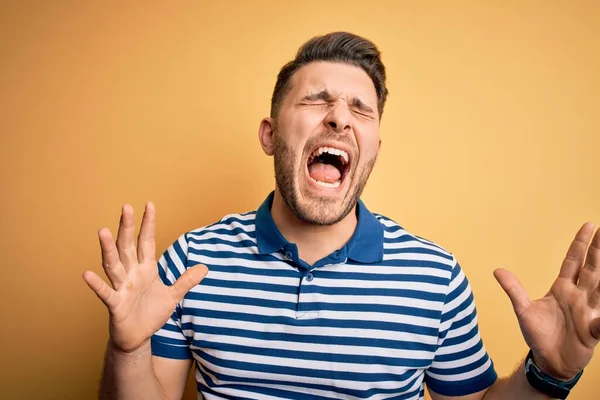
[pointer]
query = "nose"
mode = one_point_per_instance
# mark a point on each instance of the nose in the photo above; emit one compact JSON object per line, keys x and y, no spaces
{"x":339,"y":118}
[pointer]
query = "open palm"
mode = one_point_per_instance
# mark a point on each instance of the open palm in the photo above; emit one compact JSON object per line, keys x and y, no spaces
{"x":139,"y":303}
{"x":563,"y":327}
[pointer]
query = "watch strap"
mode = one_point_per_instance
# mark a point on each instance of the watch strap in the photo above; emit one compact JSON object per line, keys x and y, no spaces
{"x":545,"y":383}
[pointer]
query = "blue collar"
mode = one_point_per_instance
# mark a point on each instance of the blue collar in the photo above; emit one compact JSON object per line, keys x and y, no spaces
{"x":365,"y":245}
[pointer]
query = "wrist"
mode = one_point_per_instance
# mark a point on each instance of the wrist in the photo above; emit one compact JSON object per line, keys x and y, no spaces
{"x":551,"y":372}
{"x":545,"y":383}
{"x":128,"y":356}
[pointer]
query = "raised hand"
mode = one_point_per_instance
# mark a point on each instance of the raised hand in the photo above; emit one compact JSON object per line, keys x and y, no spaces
{"x":138,"y":303}
{"x":563,"y":327}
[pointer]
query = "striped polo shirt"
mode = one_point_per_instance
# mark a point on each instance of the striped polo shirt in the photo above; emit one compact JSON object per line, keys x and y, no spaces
{"x":379,"y":318}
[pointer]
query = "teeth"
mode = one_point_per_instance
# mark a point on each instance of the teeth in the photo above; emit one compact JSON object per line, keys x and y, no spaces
{"x":325,"y":184}
{"x":331,"y":150}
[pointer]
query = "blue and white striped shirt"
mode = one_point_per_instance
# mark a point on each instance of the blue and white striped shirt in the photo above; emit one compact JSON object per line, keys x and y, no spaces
{"x":378,"y":319}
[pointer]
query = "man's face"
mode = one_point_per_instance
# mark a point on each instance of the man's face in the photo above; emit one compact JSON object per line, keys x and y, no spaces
{"x":326,"y":141}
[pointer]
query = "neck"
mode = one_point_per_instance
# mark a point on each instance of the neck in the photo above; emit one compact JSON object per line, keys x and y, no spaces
{"x":314,"y":241}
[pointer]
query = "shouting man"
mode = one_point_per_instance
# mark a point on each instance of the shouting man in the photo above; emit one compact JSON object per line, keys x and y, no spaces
{"x":314,"y":297}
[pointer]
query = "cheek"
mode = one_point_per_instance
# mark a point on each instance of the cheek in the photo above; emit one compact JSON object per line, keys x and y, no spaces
{"x":368,"y":144}
{"x":297,"y":128}
{"x":306,"y":123}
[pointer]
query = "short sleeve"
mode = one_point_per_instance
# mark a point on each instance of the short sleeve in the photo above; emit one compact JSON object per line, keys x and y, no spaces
{"x":461,"y":364}
{"x":170,"y":341}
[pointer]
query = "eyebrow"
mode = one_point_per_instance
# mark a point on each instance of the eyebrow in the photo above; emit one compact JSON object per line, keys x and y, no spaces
{"x":322,"y":95}
{"x":326,"y":96}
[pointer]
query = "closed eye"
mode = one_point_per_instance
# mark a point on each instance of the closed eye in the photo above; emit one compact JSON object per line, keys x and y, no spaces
{"x":315,"y":104}
{"x":363,"y":113}
{"x":361,"y":108}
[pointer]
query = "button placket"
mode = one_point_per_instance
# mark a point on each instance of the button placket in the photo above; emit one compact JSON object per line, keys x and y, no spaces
{"x":305,"y":297}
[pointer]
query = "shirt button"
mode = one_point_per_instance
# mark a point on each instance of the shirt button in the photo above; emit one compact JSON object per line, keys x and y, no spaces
{"x":288,"y":254}
{"x":309,"y":277}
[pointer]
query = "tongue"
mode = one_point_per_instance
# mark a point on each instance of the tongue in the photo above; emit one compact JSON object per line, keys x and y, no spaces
{"x":324,"y":172}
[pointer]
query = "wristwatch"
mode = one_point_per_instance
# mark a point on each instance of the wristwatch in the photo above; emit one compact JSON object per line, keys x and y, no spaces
{"x":545,"y":383}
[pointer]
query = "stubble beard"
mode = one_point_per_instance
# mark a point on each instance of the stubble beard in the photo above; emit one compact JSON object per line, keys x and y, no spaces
{"x":315,"y":210}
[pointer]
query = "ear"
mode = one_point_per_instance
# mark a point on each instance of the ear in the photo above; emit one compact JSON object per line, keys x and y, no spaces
{"x":379,"y":148}
{"x":265,"y":135}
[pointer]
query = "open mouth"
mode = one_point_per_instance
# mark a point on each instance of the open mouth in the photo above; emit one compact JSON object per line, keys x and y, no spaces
{"x":327,"y":166}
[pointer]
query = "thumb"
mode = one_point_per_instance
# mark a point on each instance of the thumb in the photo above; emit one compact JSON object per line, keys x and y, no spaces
{"x":514,"y":290}
{"x":595,"y":328}
{"x":190,"y":278}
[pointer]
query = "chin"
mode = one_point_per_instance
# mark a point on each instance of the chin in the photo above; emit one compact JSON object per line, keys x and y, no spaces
{"x":321,"y":209}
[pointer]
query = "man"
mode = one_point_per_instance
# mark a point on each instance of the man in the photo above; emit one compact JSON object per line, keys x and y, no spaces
{"x":314,"y":297}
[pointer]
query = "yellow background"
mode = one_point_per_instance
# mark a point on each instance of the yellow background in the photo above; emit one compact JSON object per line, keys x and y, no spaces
{"x":490,"y":139}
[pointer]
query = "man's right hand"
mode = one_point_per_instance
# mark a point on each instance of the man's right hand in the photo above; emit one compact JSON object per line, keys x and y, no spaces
{"x":139,"y":304}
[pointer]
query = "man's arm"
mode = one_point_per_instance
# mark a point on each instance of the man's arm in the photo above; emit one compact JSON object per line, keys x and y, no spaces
{"x":140,"y":303}
{"x":562,"y":328}
{"x":512,"y":387}
{"x":139,"y":375}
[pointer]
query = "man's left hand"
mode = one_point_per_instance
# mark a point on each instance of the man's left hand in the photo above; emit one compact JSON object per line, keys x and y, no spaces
{"x":563,"y":327}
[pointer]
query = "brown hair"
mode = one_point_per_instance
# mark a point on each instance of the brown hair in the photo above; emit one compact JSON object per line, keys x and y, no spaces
{"x":342,"y":47}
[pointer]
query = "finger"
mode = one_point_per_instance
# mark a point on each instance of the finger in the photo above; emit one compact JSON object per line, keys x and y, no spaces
{"x":595,"y":328}
{"x":514,"y":290}
{"x":110,"y":259}
{"x":108,"y":296}
{"x":125,"y":239}
{"x":146,"y":248}
{"x":576,"y":253}
{"x":188,"y":280}
{"x":590,"y":272}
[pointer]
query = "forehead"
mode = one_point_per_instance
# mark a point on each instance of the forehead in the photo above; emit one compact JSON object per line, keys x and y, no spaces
{"x":336,"y":78}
